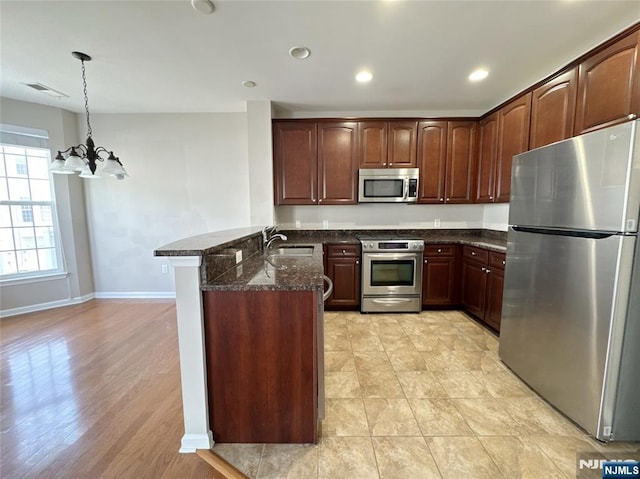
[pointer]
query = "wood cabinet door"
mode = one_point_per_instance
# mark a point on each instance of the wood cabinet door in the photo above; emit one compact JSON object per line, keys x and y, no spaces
{"x":495,"y":286}
{"x":553,"y":110}
{"x":460,"y":169}
{"x":432,"y":157}
{"x":439,"y":281}
{"x":296,"y":163}
{"x":487,"y":159}
{"x":513,"y":138}
{"x":402,"y":144}
{"x":373,"y":144}
{"x":345,"y":274}
{"x":338,"y":163}
{"x":609,"y":86}
{"x":474,"y":287}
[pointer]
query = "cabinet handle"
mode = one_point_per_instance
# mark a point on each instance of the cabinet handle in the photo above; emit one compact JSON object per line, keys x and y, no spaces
{"x":632,"y":116}
{"x":483,"y":269}
{"x":488,"y":271}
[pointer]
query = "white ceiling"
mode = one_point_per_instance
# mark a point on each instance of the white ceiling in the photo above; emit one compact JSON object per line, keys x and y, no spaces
{"x":163,"y":56}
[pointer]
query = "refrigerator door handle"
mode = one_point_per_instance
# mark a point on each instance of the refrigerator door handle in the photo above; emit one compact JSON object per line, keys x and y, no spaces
{"x":560,"y":232}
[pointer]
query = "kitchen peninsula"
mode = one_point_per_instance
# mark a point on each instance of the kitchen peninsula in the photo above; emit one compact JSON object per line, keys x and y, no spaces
{"x":250,"y":330}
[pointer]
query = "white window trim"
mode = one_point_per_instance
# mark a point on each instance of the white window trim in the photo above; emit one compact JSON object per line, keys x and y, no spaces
{"x":22,"y":279}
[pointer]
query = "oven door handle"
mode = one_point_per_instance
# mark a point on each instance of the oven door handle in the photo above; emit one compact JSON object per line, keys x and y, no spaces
{"x":392,"y":256}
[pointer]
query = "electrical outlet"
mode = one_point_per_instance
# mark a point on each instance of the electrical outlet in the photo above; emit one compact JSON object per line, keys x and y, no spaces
{"x":165,"y":269}
{"x":297,"y":223}
{"x":238,"y":256}
{"x":325,"y":224}
{"x":436,"y":223}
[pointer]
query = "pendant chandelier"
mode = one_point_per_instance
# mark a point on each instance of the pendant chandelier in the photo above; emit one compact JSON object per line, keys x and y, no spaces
{"x":83,"y":157}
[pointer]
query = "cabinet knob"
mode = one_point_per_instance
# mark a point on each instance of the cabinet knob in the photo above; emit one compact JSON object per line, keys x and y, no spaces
{"x":632,"y":116}
{"x":473,"y":253}
{"x":344,"y":252}
{"x":448,"y":199}
{"x":357,"y":262}
{"x":384,"y":164}
{"x":491,"y":197}
{"x":439,"y":250}
{"x":425,"y":260}
{"x":483,"y":269}
{"x":441,"y":199}
{"x":504,"y":262}
{"x":488,"y":271}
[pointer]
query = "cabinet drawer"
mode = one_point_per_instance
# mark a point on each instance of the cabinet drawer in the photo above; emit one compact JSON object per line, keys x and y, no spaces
{"x":477,"y":254}
{"x":496,"y":260}
{"x":439,"y":250}
{"x":343,"y":250}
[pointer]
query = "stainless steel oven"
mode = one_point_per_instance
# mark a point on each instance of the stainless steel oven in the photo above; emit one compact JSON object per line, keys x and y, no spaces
{"x":391,"y":275}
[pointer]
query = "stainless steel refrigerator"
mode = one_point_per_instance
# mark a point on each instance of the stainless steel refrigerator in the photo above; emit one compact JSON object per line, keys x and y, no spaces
{"x":571,"y":312}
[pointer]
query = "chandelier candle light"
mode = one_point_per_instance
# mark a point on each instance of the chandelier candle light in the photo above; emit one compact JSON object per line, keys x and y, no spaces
{"x":83,"y":157}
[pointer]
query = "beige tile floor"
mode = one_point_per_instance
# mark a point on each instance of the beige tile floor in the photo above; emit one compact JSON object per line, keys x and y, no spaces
{"x":423,"y":396}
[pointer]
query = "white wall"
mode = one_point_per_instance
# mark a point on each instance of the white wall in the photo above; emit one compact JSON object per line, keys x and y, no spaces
{"x":260,"y":149}
{"x":189,"y":174}
{"x":77,"y":285}
{"x":393,"y":216}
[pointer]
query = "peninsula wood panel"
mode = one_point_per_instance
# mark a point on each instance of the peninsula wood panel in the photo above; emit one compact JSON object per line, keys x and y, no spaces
{"x":261,"y":349}
{"x":296,"y":163}
{"x":338,"y":163}
{"x":553,"y":110}
{"x":432,"y":158}
{"x":609,"y":86}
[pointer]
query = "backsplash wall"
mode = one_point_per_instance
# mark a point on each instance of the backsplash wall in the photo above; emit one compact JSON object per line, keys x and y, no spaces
{"x":392,"y":216}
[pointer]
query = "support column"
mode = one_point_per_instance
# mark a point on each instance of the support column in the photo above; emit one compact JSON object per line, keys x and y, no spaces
{"x":193,"y":368}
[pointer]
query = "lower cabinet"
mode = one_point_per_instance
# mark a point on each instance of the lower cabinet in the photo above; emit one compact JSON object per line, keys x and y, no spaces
{"x":482,"y":284}
{"x":440,"y":277}
{"x":342,"y":265}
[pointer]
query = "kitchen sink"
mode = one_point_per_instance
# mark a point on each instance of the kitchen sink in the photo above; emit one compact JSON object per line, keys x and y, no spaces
{"x":292,"y":250}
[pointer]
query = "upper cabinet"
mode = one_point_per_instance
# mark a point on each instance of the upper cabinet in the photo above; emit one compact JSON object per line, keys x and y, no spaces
{"x":295,"y":163}
{"x":315,"y":163}
{"x":388,"y":144}
{"x":609,"y":86}
{"x":446,"y":153}
{"x":553,"y":110}
{"x":503,"y":134}
{"x":513,"y":138}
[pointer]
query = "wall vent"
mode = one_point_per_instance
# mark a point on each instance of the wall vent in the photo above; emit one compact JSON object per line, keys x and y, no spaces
{"x":47,"y":90}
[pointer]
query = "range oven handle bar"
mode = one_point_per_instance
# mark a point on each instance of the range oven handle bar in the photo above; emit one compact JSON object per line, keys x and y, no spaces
{"x":392,"y":256}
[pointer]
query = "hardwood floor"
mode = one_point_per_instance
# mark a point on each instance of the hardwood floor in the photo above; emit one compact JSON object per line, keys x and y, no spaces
{"x":93,"y":391}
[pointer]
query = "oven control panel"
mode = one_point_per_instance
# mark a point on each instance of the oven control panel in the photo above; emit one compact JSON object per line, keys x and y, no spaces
{"x":393,"y":245}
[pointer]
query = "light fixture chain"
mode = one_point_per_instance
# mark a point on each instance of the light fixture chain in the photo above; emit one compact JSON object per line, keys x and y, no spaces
{"x":86,"y":99}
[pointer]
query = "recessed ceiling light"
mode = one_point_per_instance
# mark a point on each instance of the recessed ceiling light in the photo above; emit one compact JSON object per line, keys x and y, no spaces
{"x":364,"y":77}
{"x":249,"y":83}
{"x":479,"y":74}
{"x":203,"y":6}
{"x":299,"y":53}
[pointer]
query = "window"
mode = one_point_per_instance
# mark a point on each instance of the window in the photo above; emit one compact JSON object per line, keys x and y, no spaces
{"x":29,"y":244}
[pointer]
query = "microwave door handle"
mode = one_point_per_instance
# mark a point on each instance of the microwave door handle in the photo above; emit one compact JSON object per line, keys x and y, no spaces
{"x":406,"y":189}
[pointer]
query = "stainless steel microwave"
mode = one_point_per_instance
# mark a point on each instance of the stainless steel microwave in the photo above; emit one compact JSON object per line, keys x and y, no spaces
{"x":388,"y":185}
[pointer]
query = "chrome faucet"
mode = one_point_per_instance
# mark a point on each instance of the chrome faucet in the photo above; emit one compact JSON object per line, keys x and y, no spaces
{"x":272,"y":239}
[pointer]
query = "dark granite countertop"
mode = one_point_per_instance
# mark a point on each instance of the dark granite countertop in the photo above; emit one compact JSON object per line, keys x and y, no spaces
{"x":273,"y":272}
{"x":220,"y":272}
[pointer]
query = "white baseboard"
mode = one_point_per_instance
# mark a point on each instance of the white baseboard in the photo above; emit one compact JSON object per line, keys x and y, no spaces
{"x":32,"y":308}
{"x":135,"y":295}
{"x":191,"y":442}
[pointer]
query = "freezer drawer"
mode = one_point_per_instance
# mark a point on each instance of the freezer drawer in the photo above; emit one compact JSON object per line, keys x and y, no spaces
{"x":562,"y":295}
